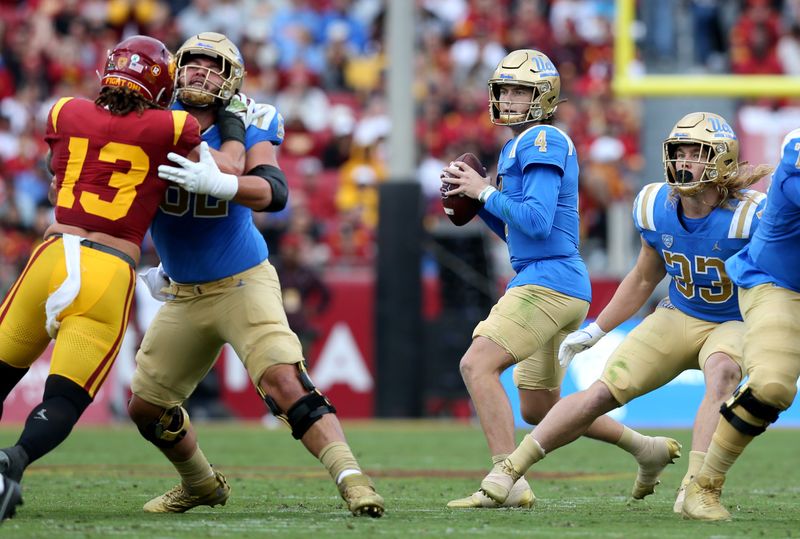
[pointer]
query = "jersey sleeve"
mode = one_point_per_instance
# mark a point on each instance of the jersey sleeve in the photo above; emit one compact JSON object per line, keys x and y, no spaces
{"x":186,"y":131}
{"x":644,"y":207}
{"x":535,"y":214}
{"x":494,"y":223}
{"x":268,"y":127}
{"x":53,"y":117}
{"x":747,"y":214}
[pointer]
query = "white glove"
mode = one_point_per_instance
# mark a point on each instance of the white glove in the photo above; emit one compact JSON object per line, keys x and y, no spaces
{"x":203,"y":177}
{"x":155,"y":279}
{"x":247,"y":109}
{"x":578,"y":341}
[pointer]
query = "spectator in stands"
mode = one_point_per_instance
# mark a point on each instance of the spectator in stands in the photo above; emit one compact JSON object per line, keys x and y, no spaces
{"x":305,"y":294}
{"x":788,"y":51}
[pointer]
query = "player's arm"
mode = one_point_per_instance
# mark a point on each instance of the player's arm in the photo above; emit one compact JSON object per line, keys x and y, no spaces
{"x":634,"y":290}
{"x":494,"y":223}
{"x":230,"y":158}
{"x":263,"y":186}
{"x":631,"y":295}
{"x":535,"y":214}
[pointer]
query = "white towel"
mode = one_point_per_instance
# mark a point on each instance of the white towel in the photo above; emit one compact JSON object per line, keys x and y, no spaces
{"x":68,"y":291}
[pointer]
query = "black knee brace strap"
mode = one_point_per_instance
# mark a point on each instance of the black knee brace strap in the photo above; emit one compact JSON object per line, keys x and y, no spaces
{"x":307,"y":411}
{"x":168,"y":430}
{"x":744,"y":397}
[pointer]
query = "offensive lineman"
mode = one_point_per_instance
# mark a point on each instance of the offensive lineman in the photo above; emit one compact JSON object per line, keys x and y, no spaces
{"x":534,"y":210}
{"x":689,"y":226}
{"x":222,"y":288}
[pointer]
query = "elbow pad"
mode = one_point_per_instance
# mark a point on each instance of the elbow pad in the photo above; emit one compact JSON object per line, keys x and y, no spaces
{"x":277,"y":180}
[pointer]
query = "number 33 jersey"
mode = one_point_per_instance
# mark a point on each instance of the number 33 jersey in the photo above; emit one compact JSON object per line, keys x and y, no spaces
{"x":106,"y":165}
{"x":695,"y":260}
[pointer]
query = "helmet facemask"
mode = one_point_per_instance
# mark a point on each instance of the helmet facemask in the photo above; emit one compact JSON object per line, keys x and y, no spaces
{"x":200,"y":95}
{"x":535,"y":110}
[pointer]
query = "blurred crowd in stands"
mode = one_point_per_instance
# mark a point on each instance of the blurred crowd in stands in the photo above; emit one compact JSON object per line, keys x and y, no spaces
{"x":322,"y":64}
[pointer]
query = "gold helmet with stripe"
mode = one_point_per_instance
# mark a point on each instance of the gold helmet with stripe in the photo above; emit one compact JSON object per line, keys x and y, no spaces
{"x":525,"y":67}
{"x":718,"y":152}
{"x":231,"y":70}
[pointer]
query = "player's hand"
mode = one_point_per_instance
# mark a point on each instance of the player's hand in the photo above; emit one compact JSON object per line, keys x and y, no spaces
{"x":247,"y":109}
{"x":155,"y":279}
{"x":578,"y":341}
{"x":463,"y":179}
{"x":203,"y":177}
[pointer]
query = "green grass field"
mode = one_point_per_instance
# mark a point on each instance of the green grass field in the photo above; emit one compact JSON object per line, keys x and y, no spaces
{"x":94,"y":485}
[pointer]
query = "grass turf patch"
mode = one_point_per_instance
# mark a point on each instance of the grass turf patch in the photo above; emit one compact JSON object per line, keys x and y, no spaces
{"x":95,"y":484}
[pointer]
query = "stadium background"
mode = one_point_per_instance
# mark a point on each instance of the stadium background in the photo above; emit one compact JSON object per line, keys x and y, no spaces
{"x":327,"y":66}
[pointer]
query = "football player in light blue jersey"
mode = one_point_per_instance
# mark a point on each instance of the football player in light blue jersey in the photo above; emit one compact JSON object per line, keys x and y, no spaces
{"x":689,"y":226}
{"x":222,"y":289}
{"x":534,"y":209}
{"x":767,"y":272}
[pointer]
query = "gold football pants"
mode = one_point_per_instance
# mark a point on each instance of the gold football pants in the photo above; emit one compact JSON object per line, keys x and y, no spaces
{"x":92,"y":326}
{"x":662,"y":346}
{"x":184,"y":339}
{"x":529,"y":322}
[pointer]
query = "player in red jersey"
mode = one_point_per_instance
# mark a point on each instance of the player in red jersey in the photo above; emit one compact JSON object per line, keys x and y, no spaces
{"x":78,"y":284}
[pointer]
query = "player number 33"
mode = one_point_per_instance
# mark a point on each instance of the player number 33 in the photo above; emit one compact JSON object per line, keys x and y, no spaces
{"x":720,"y":289}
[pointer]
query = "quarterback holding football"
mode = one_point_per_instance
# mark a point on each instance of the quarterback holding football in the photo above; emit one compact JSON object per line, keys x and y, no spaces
{"x":534,"y":210}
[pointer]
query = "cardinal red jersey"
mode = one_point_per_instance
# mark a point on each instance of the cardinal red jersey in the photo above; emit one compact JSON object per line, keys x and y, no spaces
{"x":106,"y":165}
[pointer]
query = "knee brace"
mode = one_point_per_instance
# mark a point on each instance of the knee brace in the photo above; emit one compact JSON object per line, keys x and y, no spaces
{"x":306,"y":411}
{"x":744,"y":398}
{"x":169,"y":429}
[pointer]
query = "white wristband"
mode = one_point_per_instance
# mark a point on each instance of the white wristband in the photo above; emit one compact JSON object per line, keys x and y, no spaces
{"x":486,"y":193}
{"x":227,"y":187}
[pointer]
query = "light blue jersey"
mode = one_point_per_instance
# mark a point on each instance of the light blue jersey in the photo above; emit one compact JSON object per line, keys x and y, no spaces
{"x":695,"y":259}
{"x":536,"y":211}
{"x":773,"y":256}
{"x":200,"y":238}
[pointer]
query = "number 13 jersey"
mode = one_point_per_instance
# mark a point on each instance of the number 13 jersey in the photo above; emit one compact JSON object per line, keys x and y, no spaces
{"x":106,"y":165}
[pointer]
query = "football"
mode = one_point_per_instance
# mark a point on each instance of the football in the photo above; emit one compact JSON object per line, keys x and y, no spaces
{"x":461,"y":208}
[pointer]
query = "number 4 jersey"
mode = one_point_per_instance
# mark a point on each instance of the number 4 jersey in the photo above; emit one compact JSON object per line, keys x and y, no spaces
{"x":694,"y":250}
{"x":106,"y":165}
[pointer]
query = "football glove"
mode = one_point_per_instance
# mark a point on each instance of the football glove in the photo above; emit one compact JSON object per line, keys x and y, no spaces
{"x":577,"y":342}
{"x":203,"y":177}
{"x":155,"y":279}
{"x":247,"y":109}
